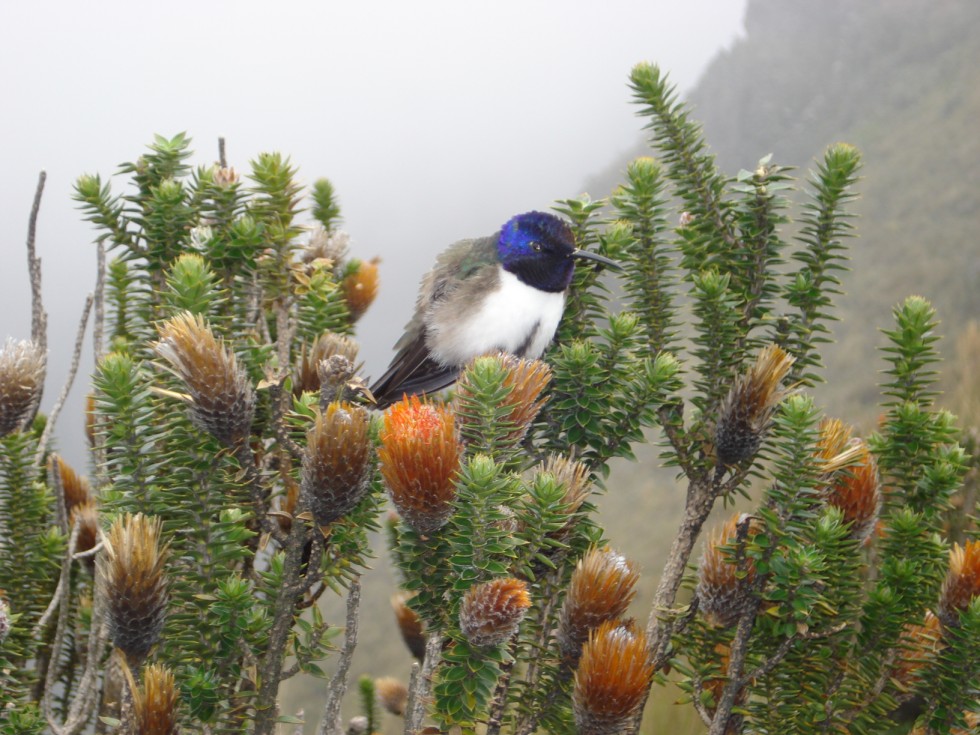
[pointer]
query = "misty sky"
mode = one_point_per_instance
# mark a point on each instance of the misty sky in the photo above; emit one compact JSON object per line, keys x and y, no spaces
{"x":434,"y":120}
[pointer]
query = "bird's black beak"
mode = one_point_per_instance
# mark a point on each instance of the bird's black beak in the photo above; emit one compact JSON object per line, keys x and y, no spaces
{"x":587,"y":255}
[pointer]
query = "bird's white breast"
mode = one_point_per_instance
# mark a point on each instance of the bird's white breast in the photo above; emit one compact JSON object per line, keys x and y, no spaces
{"x":512,"y":316}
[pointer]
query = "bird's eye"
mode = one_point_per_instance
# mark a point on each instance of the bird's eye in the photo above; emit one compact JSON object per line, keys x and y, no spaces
{"x":536,"y":246}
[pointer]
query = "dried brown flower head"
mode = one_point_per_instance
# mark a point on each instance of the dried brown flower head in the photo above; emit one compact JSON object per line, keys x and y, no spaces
{"x":612,"y":678}
{"x":962,"y":582}
{"x":917,"y":646}
{"x":573,"y":475}
{"x":420,"y":456}
{"x":220,"y":397}
{"x":155,"y":703}
{"x":746,"y":413}
{"x":22,"y":366}
{"x":135,"y":584}
{"x":337,"y":461}
{"x":327,"y":345}
{"x":360,"y":287}
{"x":410,"y":626}
{"x":602,"y":587}
{"x":856,"y":492}
{"x":392,"y":694}
{"x":87,"y":518}
{"x":722,"y":596}
{"x":525,"y":379}
{"x":75,"y":488}
{"x":491,"y":612}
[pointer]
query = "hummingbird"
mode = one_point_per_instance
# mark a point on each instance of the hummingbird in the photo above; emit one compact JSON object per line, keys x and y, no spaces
{"x":502,"y":293}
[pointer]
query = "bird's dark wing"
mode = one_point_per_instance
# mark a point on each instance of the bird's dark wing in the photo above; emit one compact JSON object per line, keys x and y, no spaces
{"x":413,"y":370}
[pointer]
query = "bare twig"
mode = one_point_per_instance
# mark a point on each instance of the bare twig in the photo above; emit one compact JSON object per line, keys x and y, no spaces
{"x":222,"y":159}
{"x":331,"y":724}
{"x":64,"y":602}
{"x":736,"y":665}
{"x":42,"y":445}
{"x":98,"y":328}
{"x":39,"y":318}
{"x":420,"y":684}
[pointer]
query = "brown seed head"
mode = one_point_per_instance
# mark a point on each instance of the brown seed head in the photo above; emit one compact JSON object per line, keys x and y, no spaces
{"x":155,"y":703}
{"x":856,"y":491}
{"x":75,"y":488}
{"x":746,"y":413}
{"x":327,"y":345}
{"x":420,"y":456}
{"x":360,"y":288}
{"x":721,"y":594}
{"x":410,"y":626}
{"x":491,"y":612}
{"x":220,"y":400}
{"x":135,"y":584}
{"x":962,"y":582}
{"x":917,"y":646}
{"x":602,"y":587}
{"x":22,"y":367}
{"x":336,"y":463}
{"x":392,"y":694}
{"x":87,"y":518}
{"x":612,"y":678}
{"x":526,"y":380}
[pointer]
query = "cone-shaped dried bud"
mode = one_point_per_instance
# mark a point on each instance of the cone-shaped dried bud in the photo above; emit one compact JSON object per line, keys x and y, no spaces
{"x":856,"y":492}
{"x":721,"y":594}
{"x":90,"y":417}
{"x":746,"y":413}
{"x":220,"y":400}
{"x":155,"y":703}
{"x":492,"y":611}
{"x":917,"y":646}
{"x":75,"y":489}
{"x":4,"y":619}
{"x":420,"y":456}
{"x":602,"y":587}
{"x":22,"y":367}
{"x":360,"y":286}
{"x":612,"y":678}
{"x":409,"y":625}
{"x":392,"y":694}
{"x":135,"y":585}
{"x":327,"y":345}
{"x":336,"y":462}
{"x":87,"y":518}
{"x":962,"y":582}
{"x":526,"y":380}
{"x":574,"y":476}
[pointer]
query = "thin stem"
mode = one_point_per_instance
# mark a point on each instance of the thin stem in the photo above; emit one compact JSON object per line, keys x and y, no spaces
{"x":76,"y":358}
{"x":39,"y":318}
{"x":418,"y":693}
{"x":330,"y":724}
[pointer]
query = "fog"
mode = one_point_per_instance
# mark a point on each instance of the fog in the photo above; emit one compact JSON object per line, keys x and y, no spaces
{"x":434,"y":120}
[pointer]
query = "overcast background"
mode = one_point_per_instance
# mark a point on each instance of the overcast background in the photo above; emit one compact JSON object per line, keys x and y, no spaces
{"x":434,"y":120}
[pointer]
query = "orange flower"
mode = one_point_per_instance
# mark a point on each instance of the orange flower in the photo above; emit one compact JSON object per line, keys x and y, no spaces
{"x":420,"y":458}
{"x":360,"y":287}
{"x":746,"y":413}
{"x":856,"y":491}
{"x":492,"y":611}
{"x":613,"y":676}
{"x":336,"y":463}
{"x":962,"y":582}
{"x":602,"y":587}
{"x":721,"y":594}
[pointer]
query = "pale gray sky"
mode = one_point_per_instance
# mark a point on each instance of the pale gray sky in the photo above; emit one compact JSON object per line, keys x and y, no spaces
{"x":435,"y":120}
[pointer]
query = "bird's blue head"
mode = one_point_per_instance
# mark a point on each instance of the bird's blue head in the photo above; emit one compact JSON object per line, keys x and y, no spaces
{"x":539,"y":249}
